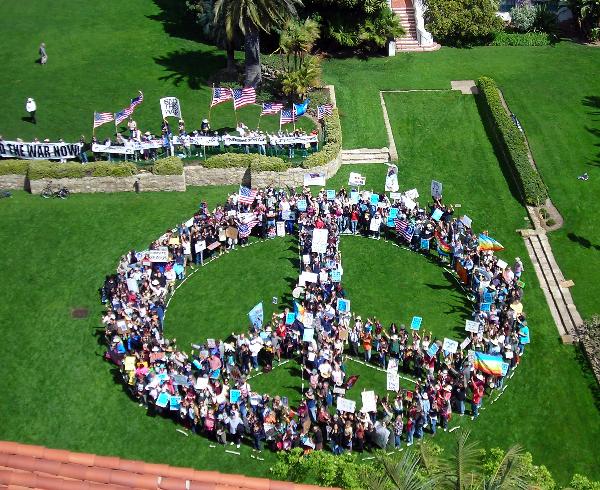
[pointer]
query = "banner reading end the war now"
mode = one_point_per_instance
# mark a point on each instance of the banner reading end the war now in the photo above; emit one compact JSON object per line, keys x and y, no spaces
{"x":39,"y":151}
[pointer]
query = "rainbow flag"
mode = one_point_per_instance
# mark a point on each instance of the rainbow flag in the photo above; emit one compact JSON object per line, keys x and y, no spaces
{"x":443,"y":246}
{"x":488,"y":243}
{"x":489,"y":364}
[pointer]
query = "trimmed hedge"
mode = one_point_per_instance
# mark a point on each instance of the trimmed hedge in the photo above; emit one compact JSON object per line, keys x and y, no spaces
{"x":168,"y":166}
{"x":522,"y":39}
{"x":259,"y":163}
{"x":13,"y":167}
{"x":513,"y":141}
{"x":44,"y":169}
{"x":332,"y":144}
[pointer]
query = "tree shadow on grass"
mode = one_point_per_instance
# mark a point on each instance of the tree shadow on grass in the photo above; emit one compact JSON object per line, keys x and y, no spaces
{"x":191,"y":67}
{"x":177,"y":20}
{"x":584,"y":242}
{"x":593,"y":101}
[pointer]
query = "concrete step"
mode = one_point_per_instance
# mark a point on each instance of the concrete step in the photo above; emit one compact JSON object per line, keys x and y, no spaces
{"x":365,"y":155}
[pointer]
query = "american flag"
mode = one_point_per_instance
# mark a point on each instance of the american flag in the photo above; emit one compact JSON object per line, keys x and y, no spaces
{"x":324,"y":110}
{"x":243,"y":96}
{"x":247,"y":195}
{"x":137,"y":101}
{"x":101,"y":118}
{"x":287,"y":116}
{"x":404,"y":228}
{"x":244,"y":229}
{"x":271,"y":108}
{"x":220,"y":95}
{"x":123,"y":114}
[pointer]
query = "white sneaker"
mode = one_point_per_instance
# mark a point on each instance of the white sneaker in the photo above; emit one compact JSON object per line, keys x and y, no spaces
{"x":238,"y":446}
{"x":410,"y":444}
{"x":231,"y":443}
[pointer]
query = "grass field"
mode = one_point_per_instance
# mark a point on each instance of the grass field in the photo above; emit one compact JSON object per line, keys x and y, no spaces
{"x":60,"y":393}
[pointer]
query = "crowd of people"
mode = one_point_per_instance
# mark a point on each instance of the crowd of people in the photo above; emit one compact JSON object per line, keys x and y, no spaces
{"x":209,"y":390}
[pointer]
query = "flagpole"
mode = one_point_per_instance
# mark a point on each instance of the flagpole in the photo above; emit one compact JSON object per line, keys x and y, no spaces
{"x":94,"y":125}
{"x":259,"y":116}
{"x":211,"y":102}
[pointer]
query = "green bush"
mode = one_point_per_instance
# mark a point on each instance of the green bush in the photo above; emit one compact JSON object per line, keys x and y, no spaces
{"x":168,"y":166}
{"x":522,"y":39}
{"x":522,"y":17}
{"x":259,"y":163}
{"x":581,"y":482}
{"x":17,"y":167}
{"x":332,"y":143}
{"x":513,"y":141}
{"x":550,"y":222}
{"x":43,"y":169}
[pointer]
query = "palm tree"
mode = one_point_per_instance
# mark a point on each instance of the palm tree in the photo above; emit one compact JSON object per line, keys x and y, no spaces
{"x":509,"y":474}
{"x":250,"y":17}
{"x":297,"y":41}
{"x":400,"y":473}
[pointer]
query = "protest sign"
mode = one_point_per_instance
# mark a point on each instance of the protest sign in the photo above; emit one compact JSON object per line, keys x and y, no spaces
{"x":471,"y":356}
{"x":132,"y":285}
{"x":174,"y":402}
{"x":210,"y":343}
{"x":338,"y":390}
{"x":354,"y":197}
{"x":288,"y":215}
{"x":415,"y":323}
{"x":201,"y":383}
{"x":169,"y":106}
{"x":392,"y":366}
{"x":436,"y":189}
{"x":393,"y":213}
{"x":319,"y":241}
{"x":314,"y":179}
{"x":290,"y":318}
{"x":466,"y":221}
{"x":471,"y":326}
{"x":437,"y":214}
{"x":450,"y":346}
{"x":307,"y":319}
{"x":465,"y":343}
{"x":424,"y":244}
{"x":374,"y":199}
{"x":234,"y":396}
{"x":391,"y":179}
{"x":174,"y":241}
{"x":396,"y":195}
{"x":393,"y":382}
{"x":485,"y":306}
{"x":256,"y":315}
{"x":336,"y":276}
{"x":162,"y":400}
{"x":308,"y":334}
{"x":412,"y":194}
{"x":39,"y":151}
{"x":488,"y":297}
{"x":501,"y":264}
{"x":159,"y":255}
{"x":330,"y":194}
{"x":308,"y":277}
{"x":356,"y":179}
{"x":200,"y":246}
{"x":343,"y":305}
{"x":408,"y":202}
{"x":180,"y":379}
{"x":369,"y":402}
{"x":130,"y":363}
{"x":505,"y":367}
{"x":301,"y":205}
{"x":433,"y":348}
{"x":345,"y":405}
{"x":280,"y":228}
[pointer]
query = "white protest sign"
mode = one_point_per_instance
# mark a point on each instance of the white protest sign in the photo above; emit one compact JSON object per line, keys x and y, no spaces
{"x":189,"y":223}
{"x":465,"y":343}
{"x":356,"y":179}
{"x":199,"y":246}
{"x":307,"y":277}
{"x":159,"y":255}
{"x":502,"y":264}
{"x":412,"y":194}
{"x":392,"y":366}
{"x":369,"y":402}
{"x":280,"y":228}
{"x":466,"y":221}
{"x":132,"y":285}
{"x":319,"y":241}
{"x":393,"y":381}
{"x":395,"y":195}
{"x":307,"y":319}
{"x":408,"y":202}
{"x":169,"y":106}
{"x":345,"y":405}
{"x":450,"y":346}
{"x":471,"y":326}
{"x":436,"y":189}
{"x":201,"y":383}
{"x":314,"y":179}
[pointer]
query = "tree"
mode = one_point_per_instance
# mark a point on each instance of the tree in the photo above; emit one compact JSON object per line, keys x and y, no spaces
{"x":587,"y":16}
{"x":250,"y":17}
{"x":462,"y":22}
{"x":401,"y":473}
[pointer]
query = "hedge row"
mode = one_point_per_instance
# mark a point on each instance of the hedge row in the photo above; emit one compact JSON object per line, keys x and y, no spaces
{"x":16,"y":167}
{"x":168,"y":166}
{"x":259,"y":163}
{"x":522,"y":39}
{"x":332,"y":144}
{"x":513,"y":140}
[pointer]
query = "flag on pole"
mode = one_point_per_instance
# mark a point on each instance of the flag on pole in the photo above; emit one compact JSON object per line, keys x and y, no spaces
{"x":123,"y":114}
{"x":300,"y":109}
{"x":324,"y":110}
{"x":220,"y":95}
{"x":404,"y":229}
{"x":170,"y":106}
{"x":101,"y":118}
{"x":271,"y":108}
{"x":246,"y":195}
{"x":137,"y":100}
{"x":287,"y":116}
{"x":243,"y":96}
{"x":488,"y":243}
{"x":244,"y":229}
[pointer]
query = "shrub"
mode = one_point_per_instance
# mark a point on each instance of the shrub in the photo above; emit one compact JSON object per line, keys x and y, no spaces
{"x":462,"y":22}
{"x":255,"y":162}
{"x":522,"y":39}
{"x":513,"y":142}
{"x":550,"y":222}
{"x":332,"y":143}
{"x":17,"y":167}
{"x":168,"y":166}
{"x":43,"y":169}
{"x":580,"y":482}
{"x":523,"y":17}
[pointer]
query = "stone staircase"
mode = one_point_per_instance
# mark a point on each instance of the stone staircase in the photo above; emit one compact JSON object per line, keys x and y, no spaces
{"x":553,"y":284}
{"x":409,"y":42}
{"x":365,"y":155}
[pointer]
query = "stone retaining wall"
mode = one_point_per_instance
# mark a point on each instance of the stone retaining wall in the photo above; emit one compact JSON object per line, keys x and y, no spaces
{"x":12,"y":181}
{"x":147,"y":183}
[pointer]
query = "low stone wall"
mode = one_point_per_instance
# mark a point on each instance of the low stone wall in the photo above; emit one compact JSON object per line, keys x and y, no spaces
{"x":197,"y":175}
{"x":146,"y":182}
{"x":12,"y":181}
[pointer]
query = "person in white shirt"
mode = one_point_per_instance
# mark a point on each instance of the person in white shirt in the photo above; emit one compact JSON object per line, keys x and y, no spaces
{"x":31,"y":107}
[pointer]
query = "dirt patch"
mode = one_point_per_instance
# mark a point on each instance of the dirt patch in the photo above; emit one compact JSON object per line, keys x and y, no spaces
{"x":80,"y":312}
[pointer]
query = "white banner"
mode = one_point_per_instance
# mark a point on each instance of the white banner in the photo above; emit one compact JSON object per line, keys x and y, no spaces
{"x":242,"y":140}
{"x":159,"y":255}
{"x":113,"y":149}
{"x":345,"y":405}
{"x":314,"y":179}
{"x":293,"y":140}
{"x":39,"y":151}
{"x":319,"y":240}
{"x":169,"y":106}
{"x":204,"y":140}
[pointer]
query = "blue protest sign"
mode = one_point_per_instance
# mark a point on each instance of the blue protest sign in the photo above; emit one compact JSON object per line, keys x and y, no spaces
{"x":256,"y":315}
{"x":432,"y":351}
{"x":234,"y":396}
{"x":290,"y":318}
{"x":175,"y":402}
{"x":415,"y":324}
{"x":162,"y":400}
{"x":163,"y":377}
{"x":524,"y":335}
{"x":330,"y":194}
{"x":505,"y":367}
{"x":197,"y":364}
{"x":488,"y":297}
{"x":301,"y":204}
{"x":374,"y":199}
{"x":393,"y":213}
{"x":390,"y":222}
{"x":308,"y":334}
{"x":343,"y":305}
{"x":437,"y":214}
{"x":485,"y":306}
{"x":354,"y":197}
{"x":336,"y":276}
{"x":288,"y":215}
{"x":424,"y":244}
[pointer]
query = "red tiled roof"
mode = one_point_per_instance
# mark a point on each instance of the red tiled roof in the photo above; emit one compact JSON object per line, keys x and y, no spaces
{"x":24,"y":467}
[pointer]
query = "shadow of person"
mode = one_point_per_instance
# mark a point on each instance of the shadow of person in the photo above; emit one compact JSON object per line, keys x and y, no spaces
{"x":28,"y":119}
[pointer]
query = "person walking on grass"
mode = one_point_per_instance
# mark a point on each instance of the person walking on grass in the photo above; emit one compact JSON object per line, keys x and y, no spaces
{"x":43,"y":54}
{"x":31,"y":107}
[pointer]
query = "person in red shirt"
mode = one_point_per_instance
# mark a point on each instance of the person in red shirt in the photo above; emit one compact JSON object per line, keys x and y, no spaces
{"x":477,"y":398}
{"x":354,"y":219}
